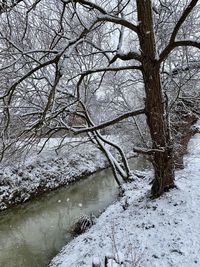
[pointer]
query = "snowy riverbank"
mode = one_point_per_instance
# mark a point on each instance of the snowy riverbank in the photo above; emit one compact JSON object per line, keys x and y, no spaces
{"x":48,"y":170}
{"x":142,"y":232}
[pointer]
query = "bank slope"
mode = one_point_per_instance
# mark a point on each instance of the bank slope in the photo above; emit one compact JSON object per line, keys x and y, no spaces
{"x":137,"y":230}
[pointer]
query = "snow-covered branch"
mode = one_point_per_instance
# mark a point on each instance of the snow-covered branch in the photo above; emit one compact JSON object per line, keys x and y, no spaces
{"x":147,"y":151}
{"x":105,"y":15}
{"x":111,"y":122}
{"x":126,"y":56}
{"x":172,"y":42}
{"x":113,"y":69}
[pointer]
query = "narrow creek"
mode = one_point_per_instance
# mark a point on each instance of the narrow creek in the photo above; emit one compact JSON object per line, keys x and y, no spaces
{"x":33,"y":233}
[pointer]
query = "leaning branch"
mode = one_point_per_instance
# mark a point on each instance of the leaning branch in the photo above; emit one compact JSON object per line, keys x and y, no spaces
{"x":147,"y":151}
{"x":119,"y":21}
{"x":106,"y":69}
{"x":111,"y":122}
{"x":121,"y":68}
{"x":128,"y":56}
{"x":172,"y":42}
{"x":176,"y":44}
{"x":183,"y":17}
{"x":42,"y":65}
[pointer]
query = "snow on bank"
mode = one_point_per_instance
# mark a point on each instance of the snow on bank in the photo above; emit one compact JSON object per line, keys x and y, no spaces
{"x":48,"y":170}
{"x":138,"y":230}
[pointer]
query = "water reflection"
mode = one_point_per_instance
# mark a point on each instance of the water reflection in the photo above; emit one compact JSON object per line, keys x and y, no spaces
{"x":31,"y":234}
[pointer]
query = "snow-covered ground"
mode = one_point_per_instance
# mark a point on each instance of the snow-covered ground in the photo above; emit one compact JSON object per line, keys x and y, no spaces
{"x":59,"y":163}
{"x":48,"y":170}
{"x":138,"y":231}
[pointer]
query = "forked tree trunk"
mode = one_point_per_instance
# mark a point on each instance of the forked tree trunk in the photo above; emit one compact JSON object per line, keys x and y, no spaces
{"x":155,"y":108}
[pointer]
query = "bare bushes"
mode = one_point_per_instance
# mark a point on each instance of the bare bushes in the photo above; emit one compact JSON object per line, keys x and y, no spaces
{"x":82,"y":224}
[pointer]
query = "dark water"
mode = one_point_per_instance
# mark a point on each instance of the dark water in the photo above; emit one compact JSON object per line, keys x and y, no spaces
{"x":31,"y":234}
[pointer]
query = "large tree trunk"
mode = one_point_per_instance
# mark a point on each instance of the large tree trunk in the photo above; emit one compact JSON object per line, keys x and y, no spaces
{"x":155,"y":108}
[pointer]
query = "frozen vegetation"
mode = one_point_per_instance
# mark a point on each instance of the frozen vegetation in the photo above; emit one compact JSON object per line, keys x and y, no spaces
{"x":139,"y":231}
{"x":59,"y":163}
{"x":48,"y":170}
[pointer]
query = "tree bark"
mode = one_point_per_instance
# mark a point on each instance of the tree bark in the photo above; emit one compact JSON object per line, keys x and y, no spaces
{"x":155,"y":107}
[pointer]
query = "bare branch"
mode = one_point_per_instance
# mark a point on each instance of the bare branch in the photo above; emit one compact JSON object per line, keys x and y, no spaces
{"x":128,"y":56}
{"x":121,"y":68}
{"x":182,"y":19}
{"x":176,"y":44}
{"x":147,"y":151}
{"x":13,"y":87}
{"x":175,"y":71}
{"x":111,"y":122}
{"x":105,"y":16}
{"x":87,"y":3}
{"x":4,"y":7}
{"x":119,"y":21}
{"x":172,"y":43}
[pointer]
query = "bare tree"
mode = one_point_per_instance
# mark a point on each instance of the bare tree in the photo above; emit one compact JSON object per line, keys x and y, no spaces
{"x":55,"y":55}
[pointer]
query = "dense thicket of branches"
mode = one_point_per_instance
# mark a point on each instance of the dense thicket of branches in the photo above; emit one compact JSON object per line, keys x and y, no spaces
{"x":80,"y":66}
